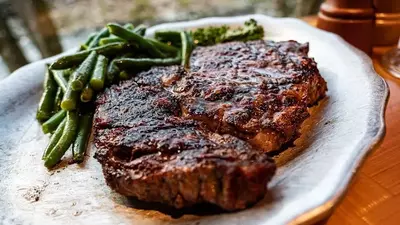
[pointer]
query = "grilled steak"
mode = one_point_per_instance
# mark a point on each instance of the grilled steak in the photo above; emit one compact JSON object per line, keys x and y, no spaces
{"x":257,"y":90}
{"x":185,"y":137}
{"x":149,"y":151}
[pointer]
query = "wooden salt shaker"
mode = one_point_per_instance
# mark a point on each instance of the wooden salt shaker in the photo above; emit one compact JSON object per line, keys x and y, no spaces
{"x":351,"y":19}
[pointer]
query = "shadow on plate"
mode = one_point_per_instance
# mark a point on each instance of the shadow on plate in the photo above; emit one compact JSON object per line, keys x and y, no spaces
{"x":202,"y":209}
{"x":197,"y":210}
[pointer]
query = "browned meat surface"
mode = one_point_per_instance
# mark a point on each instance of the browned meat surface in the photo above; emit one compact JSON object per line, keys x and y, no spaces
{"x":149,"y":152}
{"x":183,"y":138}
{"x":257,"y":90}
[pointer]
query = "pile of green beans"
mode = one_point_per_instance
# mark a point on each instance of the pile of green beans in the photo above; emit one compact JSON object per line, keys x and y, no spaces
{"x":73,"y":81}
{"x":116,"y":52}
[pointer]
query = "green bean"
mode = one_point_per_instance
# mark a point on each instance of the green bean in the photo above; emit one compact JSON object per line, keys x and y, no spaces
{"x":102,"y":33}
{"x":88,"y":41}
{"x":54,"y":138}
{"x":133,"y":37}
{"x":113,"y":70}
{"x":90,"y":38}
{"x":83,"y":48}
{"x":108,"y":40}
{"x":87,"y":94}
{"x":187,"y":46}
{"x":82,"y":138}
{"x":141,"y":30}
{"x":82,"y":75}
{"x":46,"y":103}
{"x":58,"y":99}
{"x":69,"y":61}
{"x":51,"y":124}
{"x":129,"y":26}
{"x":66,"y":139}
{"x":163,"y":47}
{"x":69,"y":100}
{"x":67,"y":73}
{"x":123,"y":75}
{"x":173,"y":37}
{"x":59,"y":77}
{"x":99,"y":73}
{"x":146,"y":62}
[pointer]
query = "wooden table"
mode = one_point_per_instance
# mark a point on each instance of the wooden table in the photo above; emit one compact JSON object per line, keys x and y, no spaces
{"x":374,"y":194}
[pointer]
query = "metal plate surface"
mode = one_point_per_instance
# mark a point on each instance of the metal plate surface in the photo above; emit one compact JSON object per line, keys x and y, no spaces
{"x":311,"y":178}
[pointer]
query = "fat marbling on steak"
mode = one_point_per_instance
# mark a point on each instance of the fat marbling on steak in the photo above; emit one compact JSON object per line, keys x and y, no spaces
{"x":186,"y":137}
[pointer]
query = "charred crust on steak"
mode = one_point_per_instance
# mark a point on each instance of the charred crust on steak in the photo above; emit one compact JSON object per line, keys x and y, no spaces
{"x":202,"y":136}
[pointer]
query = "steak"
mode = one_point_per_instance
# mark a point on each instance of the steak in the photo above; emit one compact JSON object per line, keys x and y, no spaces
{"x":202,"y":136}
{"x":258,"y":91}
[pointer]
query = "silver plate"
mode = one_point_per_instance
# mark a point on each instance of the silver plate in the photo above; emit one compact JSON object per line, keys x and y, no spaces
{"x":311,"y":178}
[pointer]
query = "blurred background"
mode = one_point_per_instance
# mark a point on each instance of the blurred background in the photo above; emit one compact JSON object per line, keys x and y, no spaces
{"x":34,"y":29}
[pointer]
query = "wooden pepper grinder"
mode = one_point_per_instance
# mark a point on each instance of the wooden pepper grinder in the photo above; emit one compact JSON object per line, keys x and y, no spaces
{"x":387,"y":22}
{"x":353,"y":20}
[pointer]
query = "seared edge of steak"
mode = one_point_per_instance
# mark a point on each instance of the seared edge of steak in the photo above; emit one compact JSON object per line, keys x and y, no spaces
{"x":217,"y":173}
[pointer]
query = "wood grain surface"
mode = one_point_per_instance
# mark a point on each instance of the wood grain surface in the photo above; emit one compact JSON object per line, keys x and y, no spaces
{"x":374,"y":195}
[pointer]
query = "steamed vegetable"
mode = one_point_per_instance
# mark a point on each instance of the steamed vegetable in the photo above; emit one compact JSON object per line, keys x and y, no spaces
{"x":70,"y":99}
{"x":214,"y":35}
{"x":146,"y":62}
{"x":54,"y":139}
{"x":95,"y":41}
{"x":82,"y":75}
{"x":51,"y":124}
{"x":123,"y":75}
{"x":171,"y":37}
{"x":163,"y":47}
{"x":60,"y":79}
{"x":87,"y":94}
{"x":58,"y":99}
{"x":250,"y":31}
{"x":99,"y":73}
{"x":69,"y":61}
{"x":66,"y":139}
{"x":85,"y":45}
{"x":46,"y":104}
{"x":81,"y":141}
{"x":112,"y":71}
{"x":108,"y":40}
{"x":187,"y":46}
{"x":141,"y":29}
{"x":131,"y":36}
